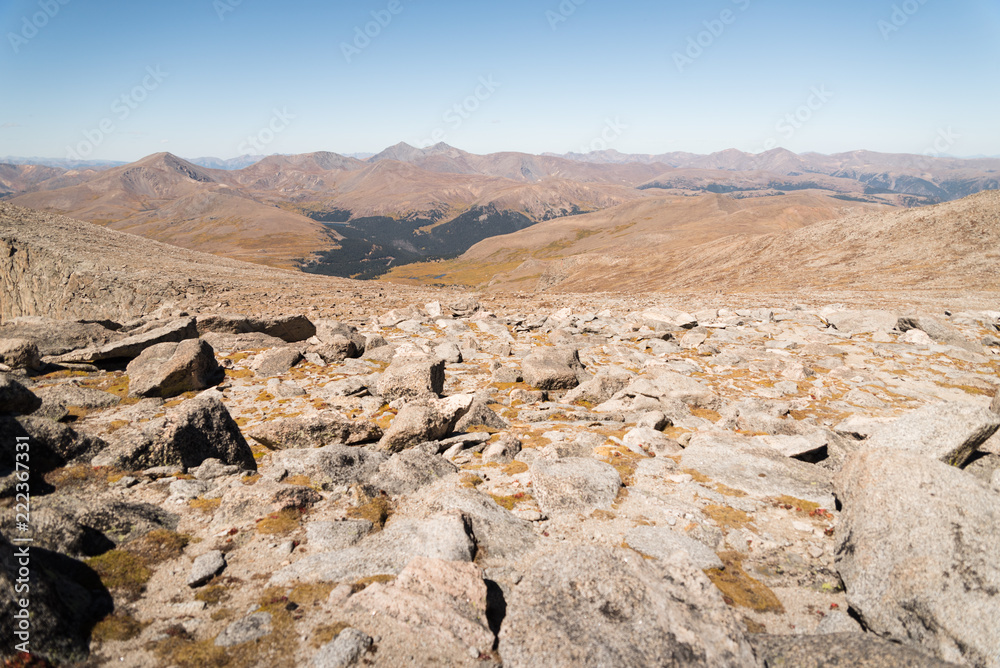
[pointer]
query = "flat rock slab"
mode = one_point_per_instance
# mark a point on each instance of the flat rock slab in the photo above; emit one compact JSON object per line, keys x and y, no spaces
{"x":385,"y":553}
{"x":663,"y":542}
{"x":918,"y":550}
{"x":595,"y":606}
{"x":331,"y":465}
{"x":574,"y":484}
{"x":248,"y":629}
{"x":858,"y":650}
{"x":950,"y":432}
{"x":314,"y":432}
{"x":740,"y":463}
{"x":406,"y":472}
{"x":131,"y":347}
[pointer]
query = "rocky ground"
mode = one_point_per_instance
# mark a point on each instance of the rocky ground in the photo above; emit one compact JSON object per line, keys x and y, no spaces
{"x":460,"y":483}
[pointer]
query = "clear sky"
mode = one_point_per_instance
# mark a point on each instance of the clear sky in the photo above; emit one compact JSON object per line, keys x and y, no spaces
{"x":119,"y":80}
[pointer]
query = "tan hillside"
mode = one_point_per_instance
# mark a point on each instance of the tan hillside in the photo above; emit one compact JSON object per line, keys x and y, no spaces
{"x":618,"y":248}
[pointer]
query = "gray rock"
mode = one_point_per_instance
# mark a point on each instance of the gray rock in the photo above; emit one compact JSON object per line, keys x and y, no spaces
{"x":169,"y":369}
{"x":449,"y":352}
{"x":950,"y":432}
{"x":574,"y":484}
{"x":56,"y":400}
{"x":741,"y":463}
{"x":503,"y":450}
{"x":226,"y":343}
{"x":55,"y":337}
{"x":196,"y":430}
{"x":497,"y":532}
{"x":839,"y":649}
{"x":653,"y":420}
{"x":337,"y":535}
{"x":411,"y":377}
{"x":331,"y":331}
{"x":188,"y":489}
{"x":601,"y":387}
{"x":314,"y":432}
{"x":837,"y":621}
{"x":662,"y":542}
{"x":386,"y":552}
{"x":19,"y":354}
{"x":672,"y":385}
{"x":792,"y":446}
{"x":863,"y":321}
{"x":406,"y":472}
{"x":211,"y":469}
{"x":276,"y":361}
{"x":66,"y":601}
{"x":330,"y":466}
{"x":15,"y":398}
{"x":248,"y":629}
{"x":507,"y":374}
{"x":553,"y":369}
{"x":594,"y":606}
{"x":289,"y":328}
{"x":344,"y":650}
{"x":131,"y":347}
{"x":480,"y":415}
{"x":995,"y":406}
{"x":336,"y":349}
{"x":52,"y":445}
{"x":918,"y":550}
{"x":937,"y":330}
{"x":644,"y":440}
{"x":206,"y":567}
{"x":424,"y":421}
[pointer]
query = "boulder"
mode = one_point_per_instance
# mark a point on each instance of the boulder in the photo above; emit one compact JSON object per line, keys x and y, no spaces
{"x":918,"y":550}
{"x":503,"y":450}
{"x":15,"y":398}
{"x":66,"y":601}
{"x":595,"y":606}
{"x":51,"y":445}
{"x":601,"y":387}
{"x":288,"y":328}
{"x":343,"y":651}
{"x":574,"y":484}
{"x":330,"y":466}
{"x":169,"y":369}
{"x":386,"y":552}
{"x":422,"y":421}
{"x":325,"y":536}
{"x":938,"y":331}
{"x":481,"y":415}
{"x":314,"y":432}
{"x":407,"y":471}
{"x":838,"y":649}
{"x":276,"y":361}
{"x":19,"y":354}
{"x":131,"y":347}
{"x":741,"y":463}
{"x":196,"y":430}
{"x":662,"y":542}
{"x":58,"y":399}
{"x":950,"y":432}
{"x":862,"y":321}
{"x":206,"y":567}
{"x":331,"y":331}
{"x":411,"y":377}
{"x":55,"y":337}
{"x":553,"y":369}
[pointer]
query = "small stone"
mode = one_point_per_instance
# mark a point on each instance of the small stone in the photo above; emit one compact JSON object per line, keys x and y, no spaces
{"x":248,"y":629}
{"x":205,"y":568}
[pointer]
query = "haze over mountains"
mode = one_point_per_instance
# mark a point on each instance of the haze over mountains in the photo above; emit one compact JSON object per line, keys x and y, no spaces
{"x":329,"y":213}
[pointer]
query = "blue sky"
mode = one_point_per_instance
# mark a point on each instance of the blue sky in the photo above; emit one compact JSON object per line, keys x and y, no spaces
{"x":120,"y":80}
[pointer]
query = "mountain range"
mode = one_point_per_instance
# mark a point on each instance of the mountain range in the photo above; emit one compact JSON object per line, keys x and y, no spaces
{"x":328,"y":213}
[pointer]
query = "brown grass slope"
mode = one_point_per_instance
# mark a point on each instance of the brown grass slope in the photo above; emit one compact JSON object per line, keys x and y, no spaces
{"x":166,"y":198}
{"x":953,"y":246}
{"x":628,"y":247}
